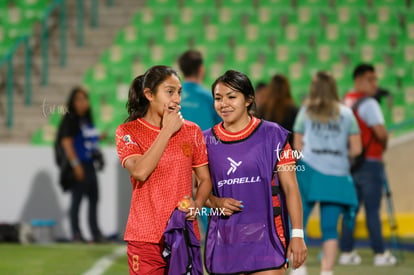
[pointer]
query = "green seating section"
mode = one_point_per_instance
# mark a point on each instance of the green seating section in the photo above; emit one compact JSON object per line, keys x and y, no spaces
{"x":261,"y":38}
{"x":17,"y":18}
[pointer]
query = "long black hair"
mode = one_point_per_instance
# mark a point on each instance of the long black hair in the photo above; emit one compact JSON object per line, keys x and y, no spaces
{"x":239,"y":82}
{"x":138,"y":104}
{"x":70,"y":105}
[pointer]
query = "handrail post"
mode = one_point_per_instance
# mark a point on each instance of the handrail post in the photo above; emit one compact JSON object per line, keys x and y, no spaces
{"x":94,"y":12}
{"x":80,"y":15}
{"x":63,"y":27}
{"x":9,"y":88}
{"x":45,"y":46}
{"x":28,"y":72}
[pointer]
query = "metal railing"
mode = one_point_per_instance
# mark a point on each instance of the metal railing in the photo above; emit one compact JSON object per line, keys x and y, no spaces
{"x":6,"y":61}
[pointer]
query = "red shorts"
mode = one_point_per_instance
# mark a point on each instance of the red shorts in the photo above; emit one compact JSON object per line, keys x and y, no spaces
{"x":146,"y":258}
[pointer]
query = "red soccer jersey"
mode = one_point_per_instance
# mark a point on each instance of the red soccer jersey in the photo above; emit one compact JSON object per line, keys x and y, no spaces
{"x":154,"y":200}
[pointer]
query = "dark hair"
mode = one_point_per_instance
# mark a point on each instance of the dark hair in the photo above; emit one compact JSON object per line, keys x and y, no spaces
{"x":70,"y":105}
{"x":260,"y":85}
{"x":138,"y":104}
{"x":190,"y":62}
{"x":239,"y":82}
{"x":362,"y":69}
{"x":279,"y":99}
{"x":71,"y":116}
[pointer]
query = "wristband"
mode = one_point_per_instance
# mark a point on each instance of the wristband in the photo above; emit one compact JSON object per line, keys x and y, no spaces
{"x":74,"y":162}
{"x":297,"y":233}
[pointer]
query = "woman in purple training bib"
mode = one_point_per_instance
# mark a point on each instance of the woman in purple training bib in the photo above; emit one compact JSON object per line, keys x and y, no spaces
{"x":254,"y":188}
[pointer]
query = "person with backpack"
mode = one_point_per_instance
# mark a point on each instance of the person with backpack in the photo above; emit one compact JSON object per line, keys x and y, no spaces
{"x":369,"y":177}
{"x":327,"y":134}
{"x":77,"y":150}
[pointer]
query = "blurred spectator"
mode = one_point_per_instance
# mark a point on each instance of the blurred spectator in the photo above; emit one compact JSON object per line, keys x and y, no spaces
{"x":260,"y":94}
{"x":196,"y":101}
{"x":370,"y":177}
{"x":78,"y":138}
{"x":327,"y":133}
{"x":278,"y":105}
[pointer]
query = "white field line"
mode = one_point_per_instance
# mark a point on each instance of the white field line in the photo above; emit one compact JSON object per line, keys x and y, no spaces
{"x":105,"y":262}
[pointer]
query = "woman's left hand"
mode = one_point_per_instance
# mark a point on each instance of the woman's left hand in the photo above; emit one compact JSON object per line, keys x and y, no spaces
{"x":297,"y":251}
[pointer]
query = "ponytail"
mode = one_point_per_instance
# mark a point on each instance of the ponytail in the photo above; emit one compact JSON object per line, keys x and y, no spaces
{"x":137,"y":104}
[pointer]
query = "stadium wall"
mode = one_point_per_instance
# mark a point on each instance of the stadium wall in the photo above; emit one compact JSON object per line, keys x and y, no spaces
{"x":30,"y":190}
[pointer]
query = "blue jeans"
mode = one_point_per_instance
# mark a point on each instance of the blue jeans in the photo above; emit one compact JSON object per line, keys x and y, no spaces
{"x":369,"y":180}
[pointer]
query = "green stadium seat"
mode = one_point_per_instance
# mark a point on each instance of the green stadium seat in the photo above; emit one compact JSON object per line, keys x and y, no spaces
{"x":408,"y":50}
{"x":99,"y":81}
{"x":139,"y":66}
{"x":306,"y":16}
{"x":204,"y":6}
{"x":388,"y":3}
{"x":343,"y":77}
{"x":296,"y":34}
{"x":276,"y":3}
{"x":130,"y":41}
{"x":15,"y":23}
{"x":33,"y":9}
{"x":375,"y":33}
{"x":284,"y":53}
{"x":55,"y":118}
{"x":409,"y":30}
{"x":409,"y":94}
{"x":327,"y":54}
{"x":334,"y":35}
{"x":368,"y":52}
{"x":46,"y":135}
{"x":163,"y":8}
{"x":400,"y":112}
{"x":352,"y":4}
{"x":116,"y":61}
{"x":387,"y":16}
{"x":5,"y":42}
{"x":345,"y":16}
{"x":241,"y":3}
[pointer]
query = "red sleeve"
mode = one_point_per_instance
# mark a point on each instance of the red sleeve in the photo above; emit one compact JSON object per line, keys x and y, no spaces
{"x":125,"y":145}
{"x":199,"y":149}
{"x":287,"y":156}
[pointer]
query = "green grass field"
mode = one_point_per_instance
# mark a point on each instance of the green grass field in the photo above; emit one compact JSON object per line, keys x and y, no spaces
{"x":78,"y":258}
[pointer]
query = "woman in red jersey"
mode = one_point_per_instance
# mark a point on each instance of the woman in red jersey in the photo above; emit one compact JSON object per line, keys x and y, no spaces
{"x":160,"y":150}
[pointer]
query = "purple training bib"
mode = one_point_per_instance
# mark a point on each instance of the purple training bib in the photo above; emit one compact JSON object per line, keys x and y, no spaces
{"x":243,"y":170}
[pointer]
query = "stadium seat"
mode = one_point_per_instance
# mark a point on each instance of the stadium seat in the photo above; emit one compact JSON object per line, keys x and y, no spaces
{"x":306,"y":16}
{"x":98,"y":81}
{"x":131,"y":42}
{"x":204,"y":6}
{"x":33,"y":9}
{"x":15,"y":23}
{"x":116,"y":62}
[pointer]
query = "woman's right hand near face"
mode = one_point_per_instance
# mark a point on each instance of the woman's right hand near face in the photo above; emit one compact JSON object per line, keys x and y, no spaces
{"x":172,"y":120}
